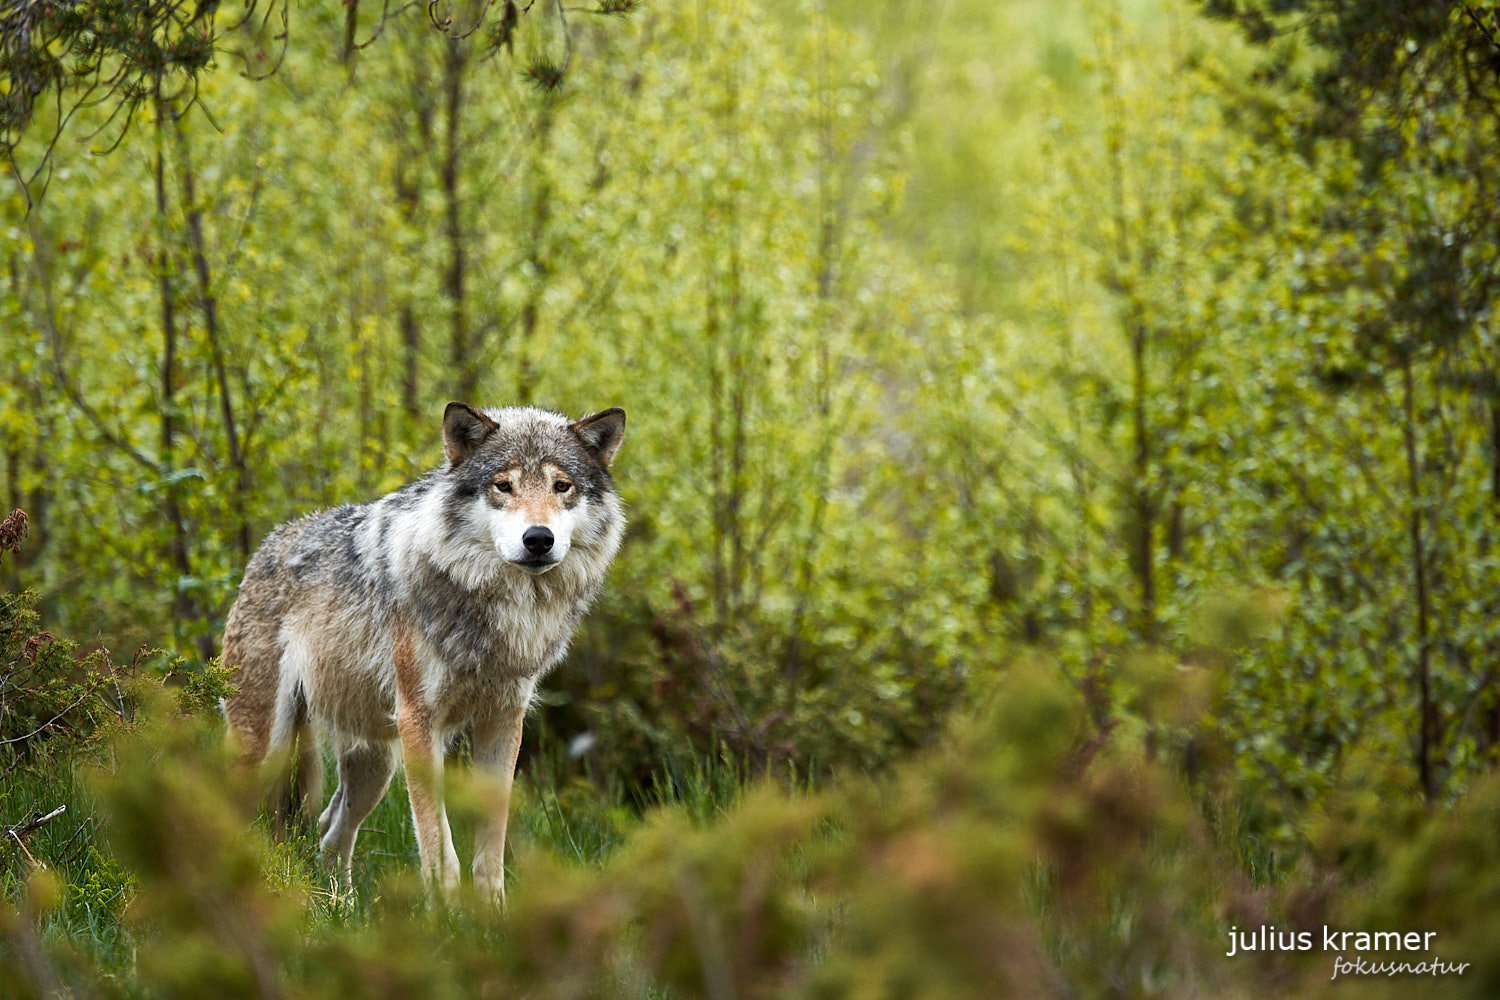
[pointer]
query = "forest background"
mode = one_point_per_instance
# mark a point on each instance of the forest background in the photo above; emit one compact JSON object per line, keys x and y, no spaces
{"x":1063,"y":479}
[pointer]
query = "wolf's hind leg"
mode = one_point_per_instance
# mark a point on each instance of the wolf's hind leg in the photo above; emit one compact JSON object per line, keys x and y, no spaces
{"x":335,"y":801}
{"x":365,"y":771}
{"x":331,"y":810}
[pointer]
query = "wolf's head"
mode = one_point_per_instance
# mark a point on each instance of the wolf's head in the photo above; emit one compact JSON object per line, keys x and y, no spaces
{"x":537,"y":484}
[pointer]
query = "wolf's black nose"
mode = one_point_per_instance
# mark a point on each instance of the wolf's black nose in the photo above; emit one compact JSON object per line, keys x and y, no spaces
{"x":538,"y":540}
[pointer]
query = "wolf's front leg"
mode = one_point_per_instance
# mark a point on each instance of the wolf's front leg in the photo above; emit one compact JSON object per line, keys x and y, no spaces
{"x":497,"y":741}
{"x":423,"y":753}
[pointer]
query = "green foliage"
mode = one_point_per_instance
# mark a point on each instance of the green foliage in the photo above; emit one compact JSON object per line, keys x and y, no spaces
{"x":243,"y":348}
{"x":105,"y":887}
{"x":1219,"y":353}
{"x":128,"y":50}
{"x":1031,"y":852}
{"x":1062,"y":485}
{"x":64,"y":60}
{"x":48,"y":692}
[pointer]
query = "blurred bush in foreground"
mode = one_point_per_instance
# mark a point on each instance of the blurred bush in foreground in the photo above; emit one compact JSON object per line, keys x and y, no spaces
{"x":1031,"y":854}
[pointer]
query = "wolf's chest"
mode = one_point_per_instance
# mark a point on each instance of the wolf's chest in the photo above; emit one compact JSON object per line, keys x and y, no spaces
{"x":513,"y":634}
{"x":481,"y":670}
{"x":531,"y":636}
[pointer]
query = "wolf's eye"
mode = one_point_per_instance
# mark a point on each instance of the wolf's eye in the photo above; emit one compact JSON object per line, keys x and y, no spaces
{"x":503,"y":486}
{"x":562,"y":486}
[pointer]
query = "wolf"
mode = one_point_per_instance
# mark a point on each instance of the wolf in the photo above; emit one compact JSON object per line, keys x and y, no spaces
{"x":434,"y":609}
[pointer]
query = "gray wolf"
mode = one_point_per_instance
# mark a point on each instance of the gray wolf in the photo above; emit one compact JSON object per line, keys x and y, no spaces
{"x":431,"y":610}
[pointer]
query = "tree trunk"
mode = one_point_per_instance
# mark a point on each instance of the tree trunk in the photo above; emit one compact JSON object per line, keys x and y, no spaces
{"x":462,"y":352}
{"x":541,"y":212}
{"x":209,"y":305}
{"x":411,"y":330}
{"x":1145,"y":513}
{"x":184,"y":605}
{"x":1423,"y":677}
{"x":1142,"y":541}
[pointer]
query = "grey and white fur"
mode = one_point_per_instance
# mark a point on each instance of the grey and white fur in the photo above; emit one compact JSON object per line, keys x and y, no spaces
{"x":430,"y":610}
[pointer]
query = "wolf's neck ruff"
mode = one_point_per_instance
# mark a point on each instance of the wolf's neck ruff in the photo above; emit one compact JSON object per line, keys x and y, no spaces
{"x":428,"y":610}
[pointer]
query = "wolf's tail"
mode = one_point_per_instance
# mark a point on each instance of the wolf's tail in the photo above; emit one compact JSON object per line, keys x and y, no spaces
{"x":295,"y":743}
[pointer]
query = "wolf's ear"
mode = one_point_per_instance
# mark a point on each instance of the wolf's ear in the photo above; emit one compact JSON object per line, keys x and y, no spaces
{"x":603,"y":432}
{"x":464,"y":430}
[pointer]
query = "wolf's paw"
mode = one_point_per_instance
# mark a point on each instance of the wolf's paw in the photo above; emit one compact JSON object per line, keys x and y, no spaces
{"x":489,"y":885}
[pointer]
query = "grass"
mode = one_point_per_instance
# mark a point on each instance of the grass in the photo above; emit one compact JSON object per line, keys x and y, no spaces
{"x":988,"y":858}
{"x":565,"y":816}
